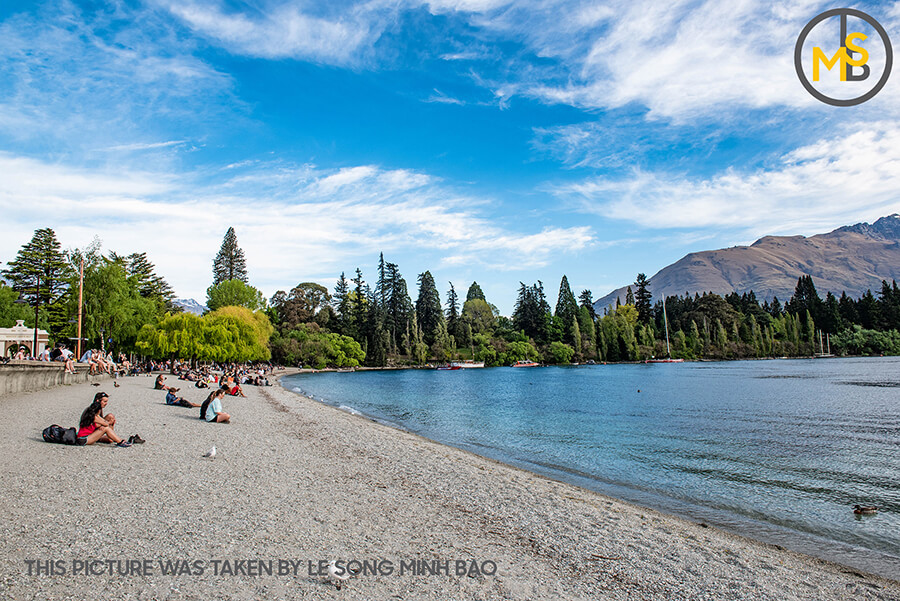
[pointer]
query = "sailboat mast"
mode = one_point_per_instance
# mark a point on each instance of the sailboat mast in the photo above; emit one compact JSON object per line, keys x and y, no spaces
{"x":666,"y":321}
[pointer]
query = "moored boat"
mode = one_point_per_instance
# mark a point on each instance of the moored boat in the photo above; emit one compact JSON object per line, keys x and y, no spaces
{"x":525,"y":363}
{"x":468,"y":364}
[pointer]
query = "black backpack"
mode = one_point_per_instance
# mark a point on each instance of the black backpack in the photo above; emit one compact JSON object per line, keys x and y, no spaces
{"x":60,"y":435}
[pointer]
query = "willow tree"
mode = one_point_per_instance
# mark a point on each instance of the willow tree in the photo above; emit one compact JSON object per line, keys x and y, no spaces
{"x":240,"y":334}
{"x":227,"y":334}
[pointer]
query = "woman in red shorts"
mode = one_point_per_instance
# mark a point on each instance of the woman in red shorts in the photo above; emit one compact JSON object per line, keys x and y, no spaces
{"x":97,"y":428}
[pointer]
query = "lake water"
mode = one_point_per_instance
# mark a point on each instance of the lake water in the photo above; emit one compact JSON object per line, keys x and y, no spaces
{"x":777,"y":450}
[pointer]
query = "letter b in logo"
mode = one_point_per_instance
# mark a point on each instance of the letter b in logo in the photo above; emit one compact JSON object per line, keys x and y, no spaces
{"x":851,"y":57}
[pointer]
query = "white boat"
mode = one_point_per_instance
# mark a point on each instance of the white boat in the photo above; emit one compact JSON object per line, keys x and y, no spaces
{"x":469,"y":364}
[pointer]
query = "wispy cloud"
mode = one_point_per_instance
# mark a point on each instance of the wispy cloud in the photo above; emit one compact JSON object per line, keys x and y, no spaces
{"x":832,"y":182}
{"x":72,"y":78}
{"x":442,"y":98}
{"x":682,"y":60}
{"x":293,"y":221}
{"x":145,"y":145}
{"x":286,"y":30}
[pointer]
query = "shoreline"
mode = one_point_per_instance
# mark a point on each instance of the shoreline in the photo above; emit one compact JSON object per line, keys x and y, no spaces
{"x":773,"y":535}
{"x":296,"y":478}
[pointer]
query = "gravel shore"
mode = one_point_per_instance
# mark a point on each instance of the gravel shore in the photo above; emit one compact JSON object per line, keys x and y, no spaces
{"x":299,"y":481}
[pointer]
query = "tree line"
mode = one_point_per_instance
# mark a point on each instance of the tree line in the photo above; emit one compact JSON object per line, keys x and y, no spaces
{"x":129,"y":307}
{"x":392,"y":329}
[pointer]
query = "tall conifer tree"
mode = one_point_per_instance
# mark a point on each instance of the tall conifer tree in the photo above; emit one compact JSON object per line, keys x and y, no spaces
{"x":229,"y":264}
{"x":642,"y":299}
{"x":428,"y":307}
{"x":475,"y":291}
{"x":567,"y":312}
{"x":452,"y":311}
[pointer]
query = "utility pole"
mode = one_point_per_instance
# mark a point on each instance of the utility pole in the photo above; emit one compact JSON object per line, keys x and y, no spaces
{"x":80,"y":293}
{"x":37,"y":304}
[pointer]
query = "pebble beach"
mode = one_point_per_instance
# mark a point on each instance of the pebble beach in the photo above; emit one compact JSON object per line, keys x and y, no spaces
{"x":296,"y":483}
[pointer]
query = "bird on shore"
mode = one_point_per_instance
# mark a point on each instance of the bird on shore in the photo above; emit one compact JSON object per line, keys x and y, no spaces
{"x":864,"y":509}
{"x":211,"y":453}
{"x":116,"y":384}
{"x":334,"y":576}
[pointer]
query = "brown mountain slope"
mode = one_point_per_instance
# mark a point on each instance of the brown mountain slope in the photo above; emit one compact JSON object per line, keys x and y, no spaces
{"x":852,"y":259}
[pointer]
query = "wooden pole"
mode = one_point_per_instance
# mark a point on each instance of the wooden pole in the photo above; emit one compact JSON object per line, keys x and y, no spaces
{"x":37,"y":304}
{"x":80,"y":293}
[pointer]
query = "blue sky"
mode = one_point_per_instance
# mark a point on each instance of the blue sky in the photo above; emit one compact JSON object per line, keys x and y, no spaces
{"x":480,"y":139}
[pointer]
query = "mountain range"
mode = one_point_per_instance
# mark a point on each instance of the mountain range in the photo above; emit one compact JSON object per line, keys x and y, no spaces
{"x":850,"y":259}
{"x":189,"y":305}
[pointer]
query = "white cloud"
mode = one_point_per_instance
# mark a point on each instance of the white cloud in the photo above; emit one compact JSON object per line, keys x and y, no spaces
{"x":145,"y":145}
{"x":286,"y":31}
{"x":476,"y":6}
{"x":682,"y":60}
{"x":832,"y":182}
{"x":293,"y":222}
{"x":69,"y":79}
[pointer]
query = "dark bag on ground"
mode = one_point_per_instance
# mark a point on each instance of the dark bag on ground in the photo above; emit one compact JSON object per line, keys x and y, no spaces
{"x":60,"y":435}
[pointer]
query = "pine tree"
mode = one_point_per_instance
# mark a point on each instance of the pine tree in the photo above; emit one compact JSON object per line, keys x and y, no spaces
{"x":452,"y":312}
{"x":642,"y":299}
{"x":566,"y":312}
{"x":776,"y":309}
{"x":831,"y":315}
{"x":532,"y":312}
{"x":805,"y":298}
{"x":40,"y":274}
{"x":586,"y":299}
{"x":40,"y":259}
{"x":475,"y":292}
{"x":149,"y":284}
{"x":629,"y":296}
{"x":428,"y":307}
{"x":382,"y":287}
{"x":399,"y":306}
{"x":341,"y":302}
{"x":358,"y":308}
{"x":229,"y":264}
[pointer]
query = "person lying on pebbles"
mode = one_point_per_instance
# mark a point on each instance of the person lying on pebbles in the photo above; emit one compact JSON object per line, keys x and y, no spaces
{"x":171,"y":399}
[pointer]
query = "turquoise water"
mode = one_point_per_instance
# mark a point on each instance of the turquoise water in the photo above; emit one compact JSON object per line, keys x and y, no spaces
{"x":777,"y":450}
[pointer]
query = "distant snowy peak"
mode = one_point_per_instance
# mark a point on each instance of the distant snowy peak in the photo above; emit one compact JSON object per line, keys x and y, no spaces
{"x":190,"y":306}
{"x":887,"y":228}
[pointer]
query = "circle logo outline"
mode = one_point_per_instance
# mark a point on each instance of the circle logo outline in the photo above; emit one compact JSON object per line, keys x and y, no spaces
{"x":888,"y":54}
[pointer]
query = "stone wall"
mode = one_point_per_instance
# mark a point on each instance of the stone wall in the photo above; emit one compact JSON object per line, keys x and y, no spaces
{"x":27,"y":376}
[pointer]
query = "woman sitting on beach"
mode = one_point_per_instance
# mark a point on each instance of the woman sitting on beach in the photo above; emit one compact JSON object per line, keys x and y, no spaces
{"x":161,"y":384}
{"x":211,"y":410}
{"x":234,"y":389}
{"x":97,"y":428}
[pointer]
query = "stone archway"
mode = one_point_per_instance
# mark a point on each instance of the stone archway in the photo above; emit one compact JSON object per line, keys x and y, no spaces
{"x":13,"y":348}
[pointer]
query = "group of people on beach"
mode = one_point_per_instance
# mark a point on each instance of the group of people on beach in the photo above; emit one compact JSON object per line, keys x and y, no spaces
{"x":96,"y":426}
{"x":210,"y":410}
